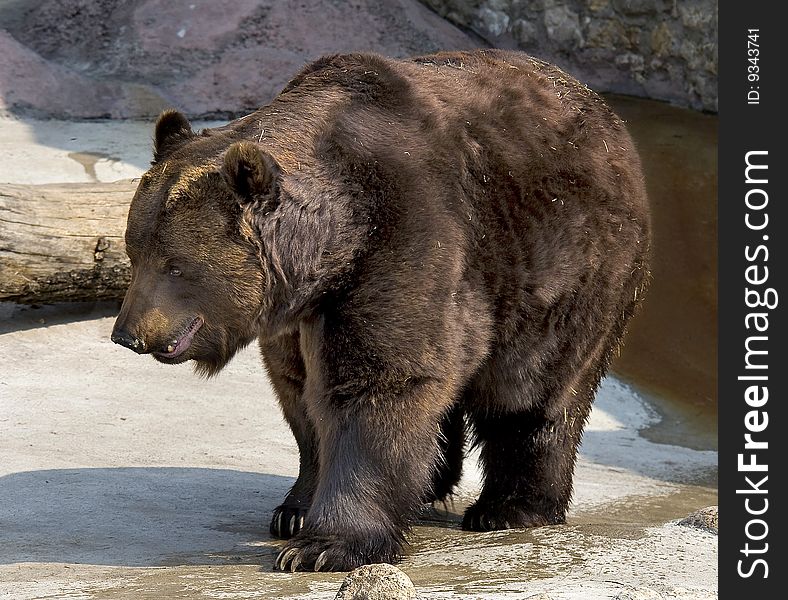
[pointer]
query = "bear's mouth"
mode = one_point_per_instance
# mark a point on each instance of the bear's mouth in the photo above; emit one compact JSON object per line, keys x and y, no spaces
{"x":181,"y":343}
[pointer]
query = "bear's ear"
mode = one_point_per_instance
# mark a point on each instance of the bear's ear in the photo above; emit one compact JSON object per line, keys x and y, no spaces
{"x":172,"y":128}
{"x":252,"y":174}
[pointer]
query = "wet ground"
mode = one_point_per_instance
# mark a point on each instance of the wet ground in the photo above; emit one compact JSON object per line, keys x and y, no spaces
{"x":124,"y":478}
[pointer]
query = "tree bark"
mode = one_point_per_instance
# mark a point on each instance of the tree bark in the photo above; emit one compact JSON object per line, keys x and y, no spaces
{"x":64,"y":242}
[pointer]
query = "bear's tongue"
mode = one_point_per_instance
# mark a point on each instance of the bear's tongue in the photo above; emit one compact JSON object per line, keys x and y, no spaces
{"x":179,"y":346}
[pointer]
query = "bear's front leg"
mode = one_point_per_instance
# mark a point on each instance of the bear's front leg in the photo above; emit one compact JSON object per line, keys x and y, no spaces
{"x":377,"y":449}
{"x":285,"y":366}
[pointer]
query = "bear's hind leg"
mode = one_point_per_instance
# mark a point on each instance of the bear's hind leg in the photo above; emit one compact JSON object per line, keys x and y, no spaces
{"x":529,"y":429}
{"x":528,"y":459}
{"x":451,"y":452}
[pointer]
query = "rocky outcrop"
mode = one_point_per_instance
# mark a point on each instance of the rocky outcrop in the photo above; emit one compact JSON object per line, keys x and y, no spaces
{"x":104,"y":58}
{"x":663,"y":49}
{"x":219,"y":58}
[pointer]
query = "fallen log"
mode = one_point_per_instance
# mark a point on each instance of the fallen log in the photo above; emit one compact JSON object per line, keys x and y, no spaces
{"x":64,"y":242}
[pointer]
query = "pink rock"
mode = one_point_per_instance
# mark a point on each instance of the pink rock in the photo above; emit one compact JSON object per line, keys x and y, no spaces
{"x":93,"y":58}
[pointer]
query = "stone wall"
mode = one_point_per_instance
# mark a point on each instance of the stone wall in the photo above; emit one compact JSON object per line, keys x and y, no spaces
{"x":664,"y":49}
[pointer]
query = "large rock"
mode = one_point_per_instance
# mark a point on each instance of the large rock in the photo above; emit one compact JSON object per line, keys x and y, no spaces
{"x":377,"y":582}
{"x":29,"y":83}
{"x":669,"y":48}
{"x":106,"y":58}
{"x":705,"y":518}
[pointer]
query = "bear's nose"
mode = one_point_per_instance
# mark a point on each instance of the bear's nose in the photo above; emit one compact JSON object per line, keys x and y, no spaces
{"x":127,"y":340}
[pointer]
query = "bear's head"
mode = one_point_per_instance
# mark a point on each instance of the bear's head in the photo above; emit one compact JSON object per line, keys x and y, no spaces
{"x":198,"y":285}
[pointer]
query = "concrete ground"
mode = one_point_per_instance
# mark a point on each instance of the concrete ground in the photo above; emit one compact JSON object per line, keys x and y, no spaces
{"x":124,"y":478}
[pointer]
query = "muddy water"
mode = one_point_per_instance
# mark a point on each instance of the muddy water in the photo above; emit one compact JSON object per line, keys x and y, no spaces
{"x":670,"y":351}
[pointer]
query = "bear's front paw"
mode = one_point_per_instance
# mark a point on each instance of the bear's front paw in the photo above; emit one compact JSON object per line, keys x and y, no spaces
{"x":311,"y":552}
{"x":287,"y":521}
{"x":491,"y":516}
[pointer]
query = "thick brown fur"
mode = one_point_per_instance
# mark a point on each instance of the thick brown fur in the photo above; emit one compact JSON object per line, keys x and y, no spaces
{"x":420,"y":246}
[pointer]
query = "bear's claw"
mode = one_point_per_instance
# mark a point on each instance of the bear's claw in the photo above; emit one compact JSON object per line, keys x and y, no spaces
{"x":313,"y":555}
{"x":492,"y":517}
{"x":287,"y":521}
{"x":286,"y":556}
{"x":321,"y":560}
{"x":315,"y":552}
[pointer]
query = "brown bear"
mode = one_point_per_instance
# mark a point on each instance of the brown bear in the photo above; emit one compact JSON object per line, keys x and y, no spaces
{"x":422,"y":248}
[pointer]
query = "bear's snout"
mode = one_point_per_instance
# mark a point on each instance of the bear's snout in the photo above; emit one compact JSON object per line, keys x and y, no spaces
{"x":127,"y":340}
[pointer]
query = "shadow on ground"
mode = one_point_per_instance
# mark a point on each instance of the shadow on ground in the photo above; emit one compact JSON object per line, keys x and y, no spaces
{"x":138,"y":516}
{"x":21,"y":317}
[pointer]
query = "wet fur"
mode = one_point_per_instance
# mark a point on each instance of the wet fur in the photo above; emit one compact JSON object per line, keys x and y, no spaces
{"x":449,"y":240}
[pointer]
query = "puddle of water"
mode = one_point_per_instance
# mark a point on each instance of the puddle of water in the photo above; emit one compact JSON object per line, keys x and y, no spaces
{"x":88,"y":161}
{"x":681,"y":422}
{"x":644,"y":511}
{"x":670,"y":351}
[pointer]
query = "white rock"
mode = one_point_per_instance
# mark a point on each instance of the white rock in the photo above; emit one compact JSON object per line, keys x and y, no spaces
{"x":377,"y":582}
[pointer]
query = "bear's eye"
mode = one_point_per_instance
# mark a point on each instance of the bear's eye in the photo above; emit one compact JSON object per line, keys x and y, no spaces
{"x":175,"y":272}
